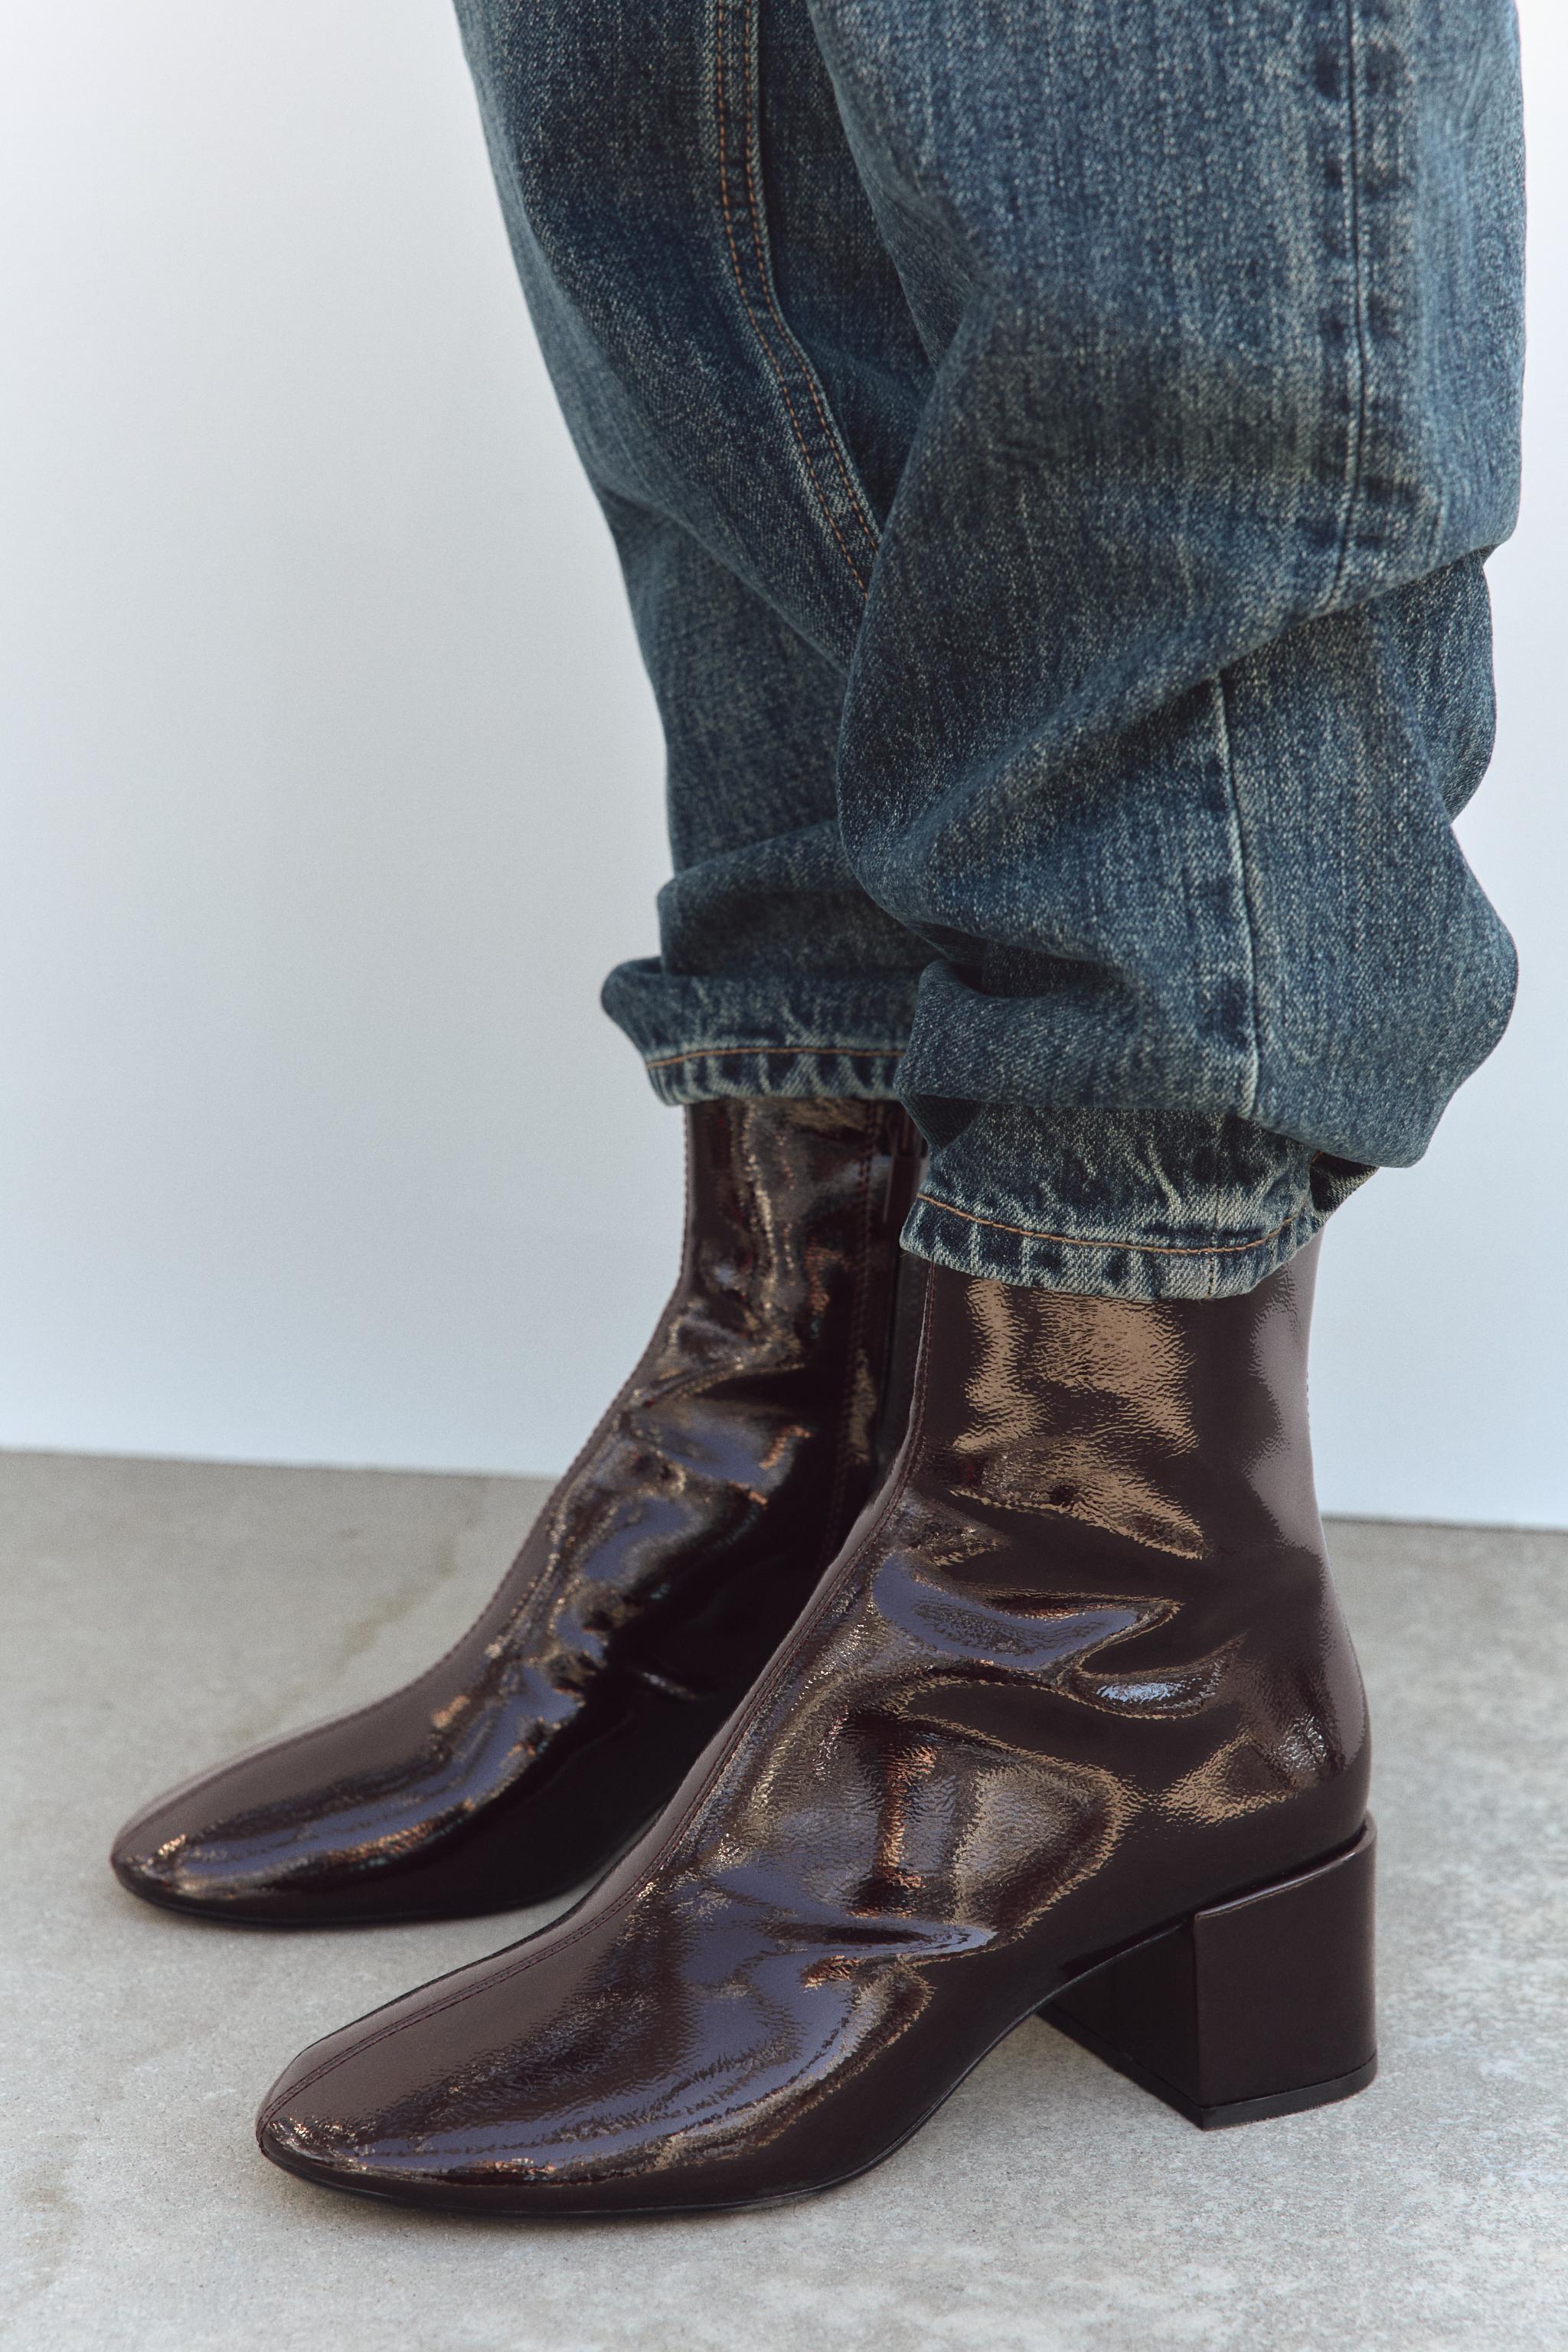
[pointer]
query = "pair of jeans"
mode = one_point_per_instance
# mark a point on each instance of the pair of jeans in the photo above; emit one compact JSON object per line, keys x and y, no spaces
{"x":1052,"y":447}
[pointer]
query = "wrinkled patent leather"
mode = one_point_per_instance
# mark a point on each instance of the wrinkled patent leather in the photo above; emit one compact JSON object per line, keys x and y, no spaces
{"x":665,"y":1569}
{"x":1078,"y":1672}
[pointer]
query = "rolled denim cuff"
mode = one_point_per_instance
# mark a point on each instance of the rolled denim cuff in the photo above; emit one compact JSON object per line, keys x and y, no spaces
{"x":704,"y":1037}
{"x":1145,"y":1205}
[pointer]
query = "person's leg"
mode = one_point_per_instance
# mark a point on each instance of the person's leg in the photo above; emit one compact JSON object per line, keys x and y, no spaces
{"x":1169,"y":675}
{"x":1119,"y":412}
{"x":738,"y":368}
{"x":1175,"y":664}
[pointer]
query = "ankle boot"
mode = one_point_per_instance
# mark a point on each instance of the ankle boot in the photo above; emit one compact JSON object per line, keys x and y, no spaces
{"x":665,"y":1568}
{"x":1073,"y":1726}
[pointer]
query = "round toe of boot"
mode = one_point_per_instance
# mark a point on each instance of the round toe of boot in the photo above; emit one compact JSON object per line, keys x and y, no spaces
{"x":411,"y":2104}
{"x":337,"y":2123}
{"x":320,"y":2152}
{"x":297,"y":1833}
{"x":192,"y":1852}
{"x":161,"y":1862}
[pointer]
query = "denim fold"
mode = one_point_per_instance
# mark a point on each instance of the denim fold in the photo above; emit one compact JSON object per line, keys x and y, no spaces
{"x":1209,"y":1208}
{"x":704,"y":1037}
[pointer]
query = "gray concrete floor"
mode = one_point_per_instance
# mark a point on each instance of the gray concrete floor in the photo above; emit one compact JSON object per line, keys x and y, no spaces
{"x":162,"y":1613}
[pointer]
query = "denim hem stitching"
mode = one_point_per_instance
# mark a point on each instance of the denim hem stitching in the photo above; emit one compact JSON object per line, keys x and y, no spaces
{"x":1099,"y":1241}
{"x":726,"y":1053}
{"x":1356,"y":446}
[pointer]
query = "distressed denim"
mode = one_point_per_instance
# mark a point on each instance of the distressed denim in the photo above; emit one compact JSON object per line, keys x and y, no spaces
{"x":1052,"y":446}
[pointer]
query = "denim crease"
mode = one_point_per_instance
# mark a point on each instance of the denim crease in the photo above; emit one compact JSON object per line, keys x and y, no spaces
{"x":1052,"y":451}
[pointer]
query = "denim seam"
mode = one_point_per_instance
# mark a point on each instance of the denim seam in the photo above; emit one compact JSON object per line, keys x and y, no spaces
{"x":1355,"y":449}
{"x":1099,"y":1241}
{"x":1249,"y":917}
{"x":762,"y":247}
{"x":725,"y":1053}
{"x":1238,"y":846}
{"x":763,"y":340}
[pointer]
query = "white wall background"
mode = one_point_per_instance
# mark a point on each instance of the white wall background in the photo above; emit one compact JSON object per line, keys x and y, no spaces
{"x":330,"y":788}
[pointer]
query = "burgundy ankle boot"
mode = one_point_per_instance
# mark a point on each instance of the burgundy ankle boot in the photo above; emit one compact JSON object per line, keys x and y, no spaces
{"x":665,"y":1568}
{"x":1073,"y":1726}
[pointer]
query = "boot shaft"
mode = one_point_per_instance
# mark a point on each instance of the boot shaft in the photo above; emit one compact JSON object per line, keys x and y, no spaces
{"x":1178,"y":1426}
{"x":791,"y":1274}
{"x":789,"y":1204}
{"x":1120,"y":1495}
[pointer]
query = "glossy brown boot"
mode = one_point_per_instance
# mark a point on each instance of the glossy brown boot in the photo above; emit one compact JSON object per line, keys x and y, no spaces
{"x":1073,"y":1724}
{"x":665,"y":1569}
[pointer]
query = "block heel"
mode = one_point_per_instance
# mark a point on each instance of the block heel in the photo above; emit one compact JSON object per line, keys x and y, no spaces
{"x":1259,"y":2007}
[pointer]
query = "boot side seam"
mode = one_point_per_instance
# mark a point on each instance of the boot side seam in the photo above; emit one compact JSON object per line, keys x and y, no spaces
{"x":860,"y":1278}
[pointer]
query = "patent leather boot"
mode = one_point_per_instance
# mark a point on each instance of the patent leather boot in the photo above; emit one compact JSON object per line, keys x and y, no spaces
{"x":1073,"y":1725}
{"x":656,"y":1583}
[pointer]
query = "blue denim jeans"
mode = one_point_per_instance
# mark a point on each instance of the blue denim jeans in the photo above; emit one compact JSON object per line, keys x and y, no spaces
{"x":1052,"y":446}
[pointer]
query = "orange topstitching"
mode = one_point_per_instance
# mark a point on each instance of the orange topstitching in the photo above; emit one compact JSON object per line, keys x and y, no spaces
{"x":723,"y":1052}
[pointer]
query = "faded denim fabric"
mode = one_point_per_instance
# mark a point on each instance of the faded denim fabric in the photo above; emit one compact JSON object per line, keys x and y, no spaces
{"x":1052,"y":446}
